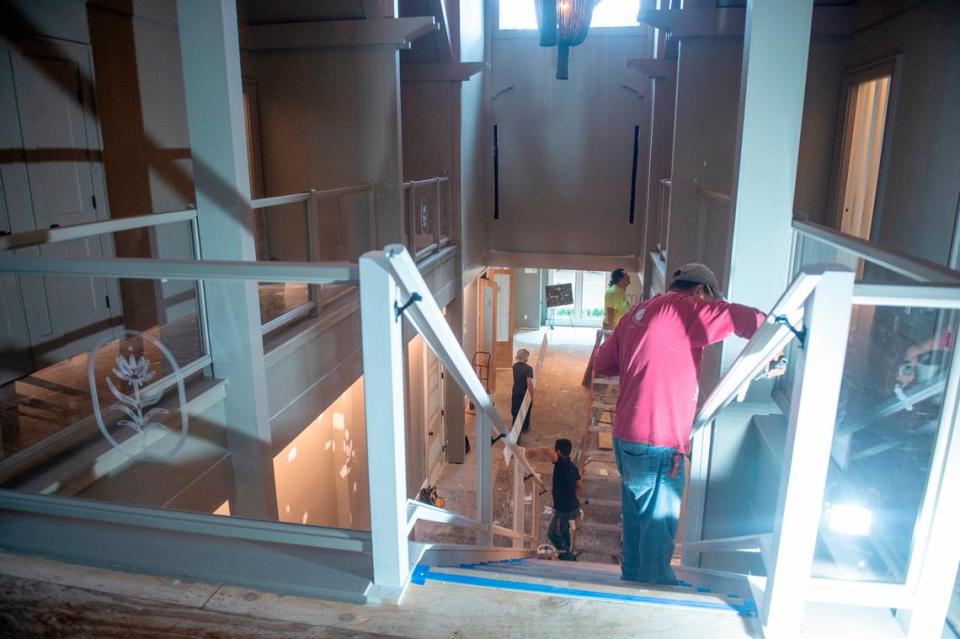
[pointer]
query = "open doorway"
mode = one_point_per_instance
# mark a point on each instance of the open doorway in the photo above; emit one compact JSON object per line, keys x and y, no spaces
{"x":588,"y":291}
{"x":866,"y":122}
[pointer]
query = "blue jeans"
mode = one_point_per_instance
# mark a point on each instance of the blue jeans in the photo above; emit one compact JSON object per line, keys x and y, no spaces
{"x":559,"y":533}
{"x":652,"y":492}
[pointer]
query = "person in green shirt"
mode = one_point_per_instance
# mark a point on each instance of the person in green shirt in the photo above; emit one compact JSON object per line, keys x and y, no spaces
{"x":615,"y":300}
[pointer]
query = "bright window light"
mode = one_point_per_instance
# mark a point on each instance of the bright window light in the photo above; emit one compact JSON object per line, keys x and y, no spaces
{"x":850,"y":519}
{"x":521,"y":14}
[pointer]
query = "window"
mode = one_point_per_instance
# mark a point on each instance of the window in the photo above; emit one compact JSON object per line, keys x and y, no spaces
{"x":521,"y":14}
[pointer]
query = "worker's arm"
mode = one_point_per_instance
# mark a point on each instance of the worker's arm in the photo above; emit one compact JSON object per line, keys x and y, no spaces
{"x":530,"y":386}
{"x":580,"y":491}
{"x":712,"y":321}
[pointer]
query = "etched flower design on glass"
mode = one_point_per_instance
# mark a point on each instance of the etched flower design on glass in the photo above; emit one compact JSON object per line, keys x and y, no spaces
{"x":138,"y":403}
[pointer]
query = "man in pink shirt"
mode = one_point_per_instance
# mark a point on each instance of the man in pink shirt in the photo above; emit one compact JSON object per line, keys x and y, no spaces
{"x":656,"y":351}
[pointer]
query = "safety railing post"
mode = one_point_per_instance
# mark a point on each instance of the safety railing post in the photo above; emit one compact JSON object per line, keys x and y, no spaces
{"x":518,"y":505}
{"x":380,"y":328}
{"x":310,"y":211}
{"x":484,"y":478}
{"x":813,"y":412}
{"x":436,"y":215}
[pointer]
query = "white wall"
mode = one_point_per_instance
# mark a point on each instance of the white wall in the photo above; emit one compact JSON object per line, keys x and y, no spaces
{"x":331,"y":118}
{"x":474,"y":156}
{"x":566,"y":147}
{"x":708,"y":94}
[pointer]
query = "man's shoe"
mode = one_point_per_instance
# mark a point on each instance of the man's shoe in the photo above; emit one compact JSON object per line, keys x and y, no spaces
{"x":567,"y":556}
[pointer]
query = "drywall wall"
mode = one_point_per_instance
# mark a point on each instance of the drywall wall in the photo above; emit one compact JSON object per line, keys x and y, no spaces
{"x":820,"y":112}
{"x":526,"y":301}
{"x":474,"y":150}
{"x":330,"y":118}
{"x":322,"y":474}
{"x":703,"y":151}
{"x":566,"y":146}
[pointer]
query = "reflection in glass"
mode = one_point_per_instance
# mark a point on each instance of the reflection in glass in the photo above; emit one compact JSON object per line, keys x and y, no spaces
{"x":888,"y":418}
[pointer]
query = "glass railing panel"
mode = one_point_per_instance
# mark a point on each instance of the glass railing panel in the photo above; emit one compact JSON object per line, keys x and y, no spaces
{"x":141,"y":417}
{"x":51,"y":391}
{"x":281,"y":235}
{"x":423,"y":215}
{"x":811,"y":251}
{"x":342,"y":232}
{"x":446,"y":210}
{"x":743,"y":478}
{"x":888,"y":424}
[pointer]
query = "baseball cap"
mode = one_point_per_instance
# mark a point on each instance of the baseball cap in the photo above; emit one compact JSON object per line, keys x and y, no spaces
{"x":699,"y":274}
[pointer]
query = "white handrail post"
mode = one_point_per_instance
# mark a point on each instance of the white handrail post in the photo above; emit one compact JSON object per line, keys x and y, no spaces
{"x":535,"y":513}
{"x":484,"y":478}
{"x":436,"y":216}
{"x":939,"y":559}
{"x":518,"y":523}
{"x":384,"y":405}
{"x":813,"y":412}
{"x":310,"y":211}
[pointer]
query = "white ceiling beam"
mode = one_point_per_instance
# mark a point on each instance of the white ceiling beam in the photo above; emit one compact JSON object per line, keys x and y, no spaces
{"x":400,"y":32}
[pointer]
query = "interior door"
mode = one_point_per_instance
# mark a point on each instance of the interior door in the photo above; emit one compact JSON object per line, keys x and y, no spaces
{"x":15,"y":357}
{"x":487,"y":324}
{"x":60,"y":143}
{"x":503,"y":318}
{"x":433,"y":411}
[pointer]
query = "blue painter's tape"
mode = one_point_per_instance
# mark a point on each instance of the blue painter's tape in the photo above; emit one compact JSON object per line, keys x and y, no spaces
{"x":703,"y":589}
{"x":419,"y":575}
{"x":422,"y":573}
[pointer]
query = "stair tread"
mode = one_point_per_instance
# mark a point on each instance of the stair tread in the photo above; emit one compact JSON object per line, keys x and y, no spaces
{"x":601,"y":578}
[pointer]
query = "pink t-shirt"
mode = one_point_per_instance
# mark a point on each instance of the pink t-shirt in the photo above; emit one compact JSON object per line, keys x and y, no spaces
{"x":656,"y":350}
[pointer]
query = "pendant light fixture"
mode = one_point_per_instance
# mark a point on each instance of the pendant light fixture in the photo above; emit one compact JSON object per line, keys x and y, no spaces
{"x":564,"y":24}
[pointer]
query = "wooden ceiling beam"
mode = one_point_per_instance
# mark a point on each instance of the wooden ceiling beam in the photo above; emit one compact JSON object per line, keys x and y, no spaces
{"x":400,"y":32}
{"x":692,"y":23}
{"x":654,"y":67}
{"x":444,"y":72}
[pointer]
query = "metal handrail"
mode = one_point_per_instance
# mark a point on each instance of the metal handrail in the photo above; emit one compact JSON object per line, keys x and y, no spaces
{"x":766,"y":342}
{"x":901,"y":263}
{"x":426,"y":182}
{"x":279,"y":200}
{"x":427,"y":318}
{"x":152,"y":269}
{"x":90,"y":229}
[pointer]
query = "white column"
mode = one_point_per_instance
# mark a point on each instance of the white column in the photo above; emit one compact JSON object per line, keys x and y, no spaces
{"x":813,"y":411}
{"x":484,"y":476}
{"x":939,"y":560}
{"x":210,"y":50}
{"x":384,"y":404}
{"x":775,"y":48}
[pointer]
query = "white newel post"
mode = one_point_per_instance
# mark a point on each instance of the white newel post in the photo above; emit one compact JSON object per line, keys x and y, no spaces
{"x":384,"y":404}
{"x":813,"y":412}
{"x":484,"y":477}
{"x":518,"y":505}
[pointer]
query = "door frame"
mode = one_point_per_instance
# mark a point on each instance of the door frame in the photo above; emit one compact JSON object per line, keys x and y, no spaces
{"x":892,"y":66}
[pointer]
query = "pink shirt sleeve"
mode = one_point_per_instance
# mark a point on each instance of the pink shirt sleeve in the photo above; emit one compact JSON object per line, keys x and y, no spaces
{"x":712,"y":321}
